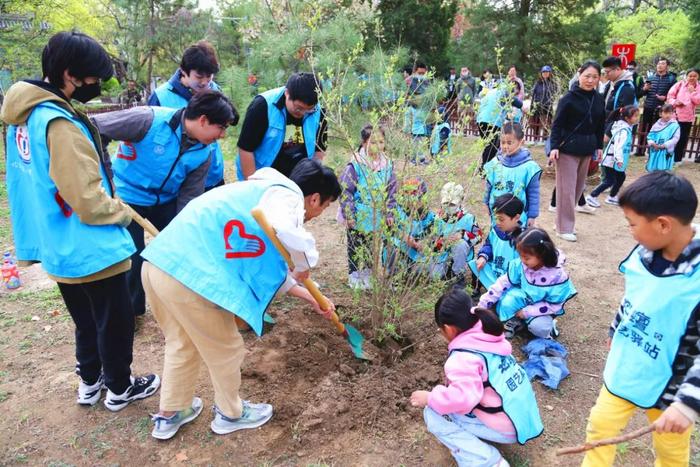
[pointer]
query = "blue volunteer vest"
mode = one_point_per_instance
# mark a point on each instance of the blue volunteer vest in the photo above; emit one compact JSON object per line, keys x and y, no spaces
{"x":151,"y":171}
{"x":437,"y":143}
{"x":45,"y":227}
{"x":655,"y":311}
{"x":446,"y":229}
{"x":513,"y":180}
{"x":626,"y":150}
{"x":272,"y":142}
{"x":493,"y":107}
{"x":511,"y":383}
{"x":419,"y":229}
{"x":553,"y":293}
{"x":215,"y":248}
{"x":168,"y":97}
{"x":371,"y":191}
{"x":503,"y":253}
{"x":661,"y":159}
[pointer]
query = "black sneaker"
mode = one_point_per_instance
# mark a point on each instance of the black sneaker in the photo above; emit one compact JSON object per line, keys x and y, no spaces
{"x":140,"y":388}
{"x":511,"y":328}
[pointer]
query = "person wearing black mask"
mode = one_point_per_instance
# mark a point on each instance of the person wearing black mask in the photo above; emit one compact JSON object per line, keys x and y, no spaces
{"x":65,"y":214}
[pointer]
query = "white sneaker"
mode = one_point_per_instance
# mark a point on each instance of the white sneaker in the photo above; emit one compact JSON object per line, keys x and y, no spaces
{"x":551,"y":208}
{"x":366,"y":279}
{"x":569,"y":237}
{"x":89,"y":394}
{"x":592,"y":201}
{"x":253,"y":416}
{"x":354,"y":280}
{"x":141,"y":388}
{"x":586,"y":209}
{"x":612,"y":200}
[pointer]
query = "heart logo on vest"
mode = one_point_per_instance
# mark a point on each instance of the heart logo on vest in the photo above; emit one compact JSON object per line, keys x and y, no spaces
{"x":241,"y":244}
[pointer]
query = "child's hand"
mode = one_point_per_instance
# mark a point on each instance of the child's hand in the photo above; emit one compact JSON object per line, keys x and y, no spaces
{"x":419,"y":398}
{"x":480,"y":263}
{"x":350,"y":223}
{"x":672,"y":420}
{"x":531,"y":222}
{"x":619,"y":165}
{"x":520,"y":314}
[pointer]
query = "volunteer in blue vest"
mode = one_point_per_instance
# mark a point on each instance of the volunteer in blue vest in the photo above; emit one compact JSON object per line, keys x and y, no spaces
{"x":196,"y":74}
{"x":619,"y":92}
{"x":65,"y":215}
{"x":162,"y":161}
{"x":281,"y":127}
{"x":213,"y":263}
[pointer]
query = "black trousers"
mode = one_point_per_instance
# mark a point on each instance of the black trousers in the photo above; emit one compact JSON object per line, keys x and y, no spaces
{"x":611,"y":179}
{"x":649,"y":117}
{"x":490,"y":134}
{"x":160,"y":216}
{"x":221,"y":183}
{"x":679,"y":152}
{"x":359,"y":246}
{"x":104,"y":330}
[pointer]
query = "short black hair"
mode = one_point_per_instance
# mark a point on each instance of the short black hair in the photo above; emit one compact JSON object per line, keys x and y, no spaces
{"x":589,"y":64}
{"x":663,"y":59}
{"x":632,"y":62}
{"x":661,"y":193}
{"x":508,"y":204}
{"x":200,"y":57}
{"x":313,"y":177}
{"x":512,"y":128}
{"x":304,"y":87}
{"x":420,"y":65}
{"x":612,"y":62}
{"x":78,"y":53}
{"x":454,"y":308}
{"x":625,"y":112}
{"x":213,"y":105}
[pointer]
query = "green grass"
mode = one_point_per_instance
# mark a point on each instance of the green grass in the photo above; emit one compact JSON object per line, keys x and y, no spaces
{"x":5,"y":226}
{"x":46,"y":300}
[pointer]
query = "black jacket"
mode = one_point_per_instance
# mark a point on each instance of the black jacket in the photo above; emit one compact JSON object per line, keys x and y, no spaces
{"x":626,"y":95}
{"x":543,"y":94}
{"x":579,"y":123}
{"x":659,"y":86}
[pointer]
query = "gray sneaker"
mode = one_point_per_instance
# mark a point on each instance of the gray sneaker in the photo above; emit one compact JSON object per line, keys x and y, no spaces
{"x":166,"y":427}
{"x":253,"y":416}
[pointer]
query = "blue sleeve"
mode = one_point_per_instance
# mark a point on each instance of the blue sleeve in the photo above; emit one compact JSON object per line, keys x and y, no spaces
{"x":533,"y":197}
{"x":486,"y":250}
{"x":487,"y":194}
{"x":153,"y":99}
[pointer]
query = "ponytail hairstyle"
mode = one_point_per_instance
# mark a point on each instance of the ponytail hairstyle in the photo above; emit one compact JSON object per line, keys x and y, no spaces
{"x":626,"y":112}
{"x":366,"y":132}
{"x":538,"y":243}
{"x":454,"y":308}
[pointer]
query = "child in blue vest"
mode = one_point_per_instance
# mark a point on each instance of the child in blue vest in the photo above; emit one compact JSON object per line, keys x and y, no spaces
{"x":653,"y":362}
{"x":214,"y":263}
{"x":534,"y":288}
{"x":441,"y":137}
{"x":162,"y":162}
{"x":487,"y":396}
{"x":457,"y":232}
{"x":662,"y":140}
{"x":367,"y":202}
{"x":616,"y":156}
{"x":514,"y":171}
{"x":499,"y":248}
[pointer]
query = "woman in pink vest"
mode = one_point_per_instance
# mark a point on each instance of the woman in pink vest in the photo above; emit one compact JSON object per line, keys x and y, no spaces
{"x":685,"y":97}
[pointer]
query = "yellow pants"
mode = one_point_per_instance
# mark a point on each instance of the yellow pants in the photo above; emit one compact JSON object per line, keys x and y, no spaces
{"x":610,"y":415}
{"x":195,"y":330}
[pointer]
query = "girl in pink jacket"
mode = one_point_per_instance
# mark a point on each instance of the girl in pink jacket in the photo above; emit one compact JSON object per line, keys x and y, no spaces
{"x":684,"y":96}
{"x":487,"y":395}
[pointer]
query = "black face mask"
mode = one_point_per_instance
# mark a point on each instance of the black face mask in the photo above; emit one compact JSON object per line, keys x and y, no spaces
{"x":87,"y":92}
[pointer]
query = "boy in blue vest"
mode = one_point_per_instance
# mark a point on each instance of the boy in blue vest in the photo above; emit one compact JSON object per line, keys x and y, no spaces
{"x":162,"y":162}
{"x":282,"y":127}
{"x":653,"y":363}
{"x":498,"y":249}
{"x":65,"y":215}
{"x":196,"y":74}
{"x":213,"y":263}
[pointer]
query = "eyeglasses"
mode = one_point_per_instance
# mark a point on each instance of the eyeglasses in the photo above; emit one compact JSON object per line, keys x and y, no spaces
{"x":302,"y":110}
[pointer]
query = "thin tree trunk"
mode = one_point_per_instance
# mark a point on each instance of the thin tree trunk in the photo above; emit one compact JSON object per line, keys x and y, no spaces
{"x":151,"y":34}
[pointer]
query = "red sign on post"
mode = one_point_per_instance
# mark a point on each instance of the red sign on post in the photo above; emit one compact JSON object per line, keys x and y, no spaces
{"x":625,"y":52}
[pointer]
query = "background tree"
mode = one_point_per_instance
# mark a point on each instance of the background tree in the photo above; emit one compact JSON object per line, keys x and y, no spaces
{"x":692,"y":51}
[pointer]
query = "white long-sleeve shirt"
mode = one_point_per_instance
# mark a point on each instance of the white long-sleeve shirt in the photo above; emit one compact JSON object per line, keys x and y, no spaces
{"x":284,"y":210}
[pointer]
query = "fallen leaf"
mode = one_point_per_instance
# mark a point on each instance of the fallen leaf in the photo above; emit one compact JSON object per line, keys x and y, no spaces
{"x":35,"y":318}
{"x":181,"y":456}
{"x":47,"y":328}
{"x":54,"y":313}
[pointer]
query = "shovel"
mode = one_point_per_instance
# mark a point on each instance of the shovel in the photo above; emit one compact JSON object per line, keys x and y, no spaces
{"x":352,"y":335}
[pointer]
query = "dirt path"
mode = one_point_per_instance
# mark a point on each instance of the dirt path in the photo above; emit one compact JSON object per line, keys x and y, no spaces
{"x":330,"y":408}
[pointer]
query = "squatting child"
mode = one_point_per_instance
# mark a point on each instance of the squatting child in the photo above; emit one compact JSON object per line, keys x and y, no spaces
{"x":415,"y":233}
{"x":616,"y":156}
{"x":514,"y":171}
{"x":498,"y":249}
{"x":367,"y":202}
{"x":653,"y":363}
{"x":534,"y":289}
{"x":487,"y":395}
{"x":662,"y":140}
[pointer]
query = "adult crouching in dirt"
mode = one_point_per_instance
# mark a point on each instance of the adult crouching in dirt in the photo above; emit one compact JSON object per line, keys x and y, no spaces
{"x":577,"y":135}
{"x":65,"y":215}
{"x":162,"y":162}
{"x":282,"y":127}
{"x":213,"y":263}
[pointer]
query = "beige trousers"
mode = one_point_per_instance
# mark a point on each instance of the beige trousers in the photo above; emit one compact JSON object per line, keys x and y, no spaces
{"x":195,"y":330}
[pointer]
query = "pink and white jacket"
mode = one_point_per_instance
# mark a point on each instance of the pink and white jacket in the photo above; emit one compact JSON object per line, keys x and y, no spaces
{"x":680,"y":92}
{"x":465,"y":374}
